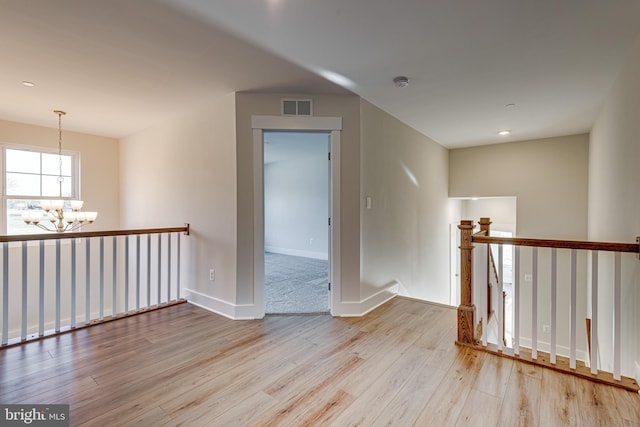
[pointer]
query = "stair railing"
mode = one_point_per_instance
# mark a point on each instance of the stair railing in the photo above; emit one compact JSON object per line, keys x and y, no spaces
{"x":559,"y":259}
{"x":54,"y":283}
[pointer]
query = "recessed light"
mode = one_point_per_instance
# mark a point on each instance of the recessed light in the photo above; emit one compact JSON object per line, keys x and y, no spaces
{"x":28,"y":84}
{"x":510,"y":105}
{"x":401,"y":81}
{"x":504,"y":132}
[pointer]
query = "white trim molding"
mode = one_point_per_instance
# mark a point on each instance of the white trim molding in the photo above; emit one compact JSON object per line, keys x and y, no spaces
{"x":221,"y":307}
{"x":360,"y":308}
{"x":561,"y":350}
{"x":331,"y":125}
{"x":296,"y":123}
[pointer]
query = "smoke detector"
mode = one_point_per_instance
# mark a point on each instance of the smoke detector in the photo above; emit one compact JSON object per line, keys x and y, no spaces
{"x":401,"y":81}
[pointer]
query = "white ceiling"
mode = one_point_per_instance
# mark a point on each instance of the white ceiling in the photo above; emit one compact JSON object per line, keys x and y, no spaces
{"x":120,"y":66}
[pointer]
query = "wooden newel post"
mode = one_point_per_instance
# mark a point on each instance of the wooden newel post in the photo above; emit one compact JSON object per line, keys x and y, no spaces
{"x":466,"y":310}
{"x":485,"y":225}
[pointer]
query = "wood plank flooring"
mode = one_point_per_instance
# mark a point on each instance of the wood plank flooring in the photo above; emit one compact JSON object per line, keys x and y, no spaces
{"x":395,"y":366}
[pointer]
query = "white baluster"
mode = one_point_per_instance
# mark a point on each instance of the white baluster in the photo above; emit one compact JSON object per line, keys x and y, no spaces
{"x":516,"y":301}
{"x":138,"y":272}
{"x":594,"y":312}
{"x":73,"y":283}
{"x":169,"y":267}
{"x":114,"y":277}
{"x":178,"y":264}
{"x":573,"y":309}
{"x":5,"y":293}
{"x":148,"y":270}
{"x":480,"y":285}
{"x":25,"y":266}
{"x":500,"y":318}
{"x":58,"y":285}
{"x":87,"y":297}
{"x":101,"y":312}
{"x":41,"y":291}
{"x":554,"y":302}
{"x":534,"y":304}
{"x":159,"y":261}
{"x":616,"y":315}
{"x":126,"y":274}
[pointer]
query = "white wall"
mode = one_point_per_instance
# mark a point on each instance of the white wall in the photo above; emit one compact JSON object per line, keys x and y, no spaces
{"x":614,"y":200}
{"x":184,"y":172}
{"x":296,"y":190}
{"x":547,"y":176}
{"x":405,"y":234}
{"x":501,"y":210}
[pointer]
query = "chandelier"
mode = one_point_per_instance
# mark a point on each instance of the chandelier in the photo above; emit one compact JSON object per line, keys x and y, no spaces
{"x":61,"y":220}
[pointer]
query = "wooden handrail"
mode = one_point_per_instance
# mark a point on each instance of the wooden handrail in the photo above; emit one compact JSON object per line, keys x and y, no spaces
{"x":75,"y":235}
{"x":560,"y":244}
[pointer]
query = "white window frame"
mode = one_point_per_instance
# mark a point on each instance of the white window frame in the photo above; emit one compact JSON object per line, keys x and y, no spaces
{"x":75,"y":176}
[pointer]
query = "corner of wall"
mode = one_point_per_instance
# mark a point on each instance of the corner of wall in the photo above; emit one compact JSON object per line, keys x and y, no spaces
{"x":224,"y":308}
{"x":360,"y":308}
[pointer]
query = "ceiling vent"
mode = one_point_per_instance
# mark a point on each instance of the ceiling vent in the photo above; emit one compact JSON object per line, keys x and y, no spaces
{"x":297,"y":107}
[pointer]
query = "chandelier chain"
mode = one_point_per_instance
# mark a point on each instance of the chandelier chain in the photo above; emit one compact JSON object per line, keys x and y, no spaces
{"x":60,"y":219}
{"x":60,"y":177}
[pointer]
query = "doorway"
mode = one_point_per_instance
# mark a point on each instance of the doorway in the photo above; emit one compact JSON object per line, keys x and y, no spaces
{"x":260,"y":125}
{"x":296,"y":177}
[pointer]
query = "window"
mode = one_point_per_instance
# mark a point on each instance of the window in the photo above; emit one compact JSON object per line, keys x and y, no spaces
{"x":31,"y":174}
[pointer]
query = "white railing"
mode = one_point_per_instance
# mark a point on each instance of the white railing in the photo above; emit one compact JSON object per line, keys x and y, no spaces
{"x":52,"y":283}
{"x":555,"y":285}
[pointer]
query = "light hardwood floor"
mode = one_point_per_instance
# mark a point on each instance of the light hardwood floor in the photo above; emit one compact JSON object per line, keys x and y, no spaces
{"x":396,"y":366}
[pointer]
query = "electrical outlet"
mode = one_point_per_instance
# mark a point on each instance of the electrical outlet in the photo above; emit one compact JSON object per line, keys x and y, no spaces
{"x":546,"y":329}
{"x":311,"y":240}
{"x":528,"y":277}
{"x":212,"y":275}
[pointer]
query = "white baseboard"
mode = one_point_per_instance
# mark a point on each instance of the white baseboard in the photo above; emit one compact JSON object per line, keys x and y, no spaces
{"x":251,"y":312}
{"x":360,"y":308}
{"x":296,"y":252}
{"x":223,"y":308}
{"x":50,"y":325}
{"x":560,"y":350}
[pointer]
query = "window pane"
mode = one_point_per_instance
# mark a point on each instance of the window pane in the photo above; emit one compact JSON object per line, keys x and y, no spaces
{"x":15,"y":224}
{"x":51,"y":164}
{"x":23,"y":161}
{"x":31,"y":175}
{"x":51,"y":186}
{"x":23,"y":184}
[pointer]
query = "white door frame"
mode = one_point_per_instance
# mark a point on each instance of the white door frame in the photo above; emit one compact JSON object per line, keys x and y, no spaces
{"x":259,"y":124}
